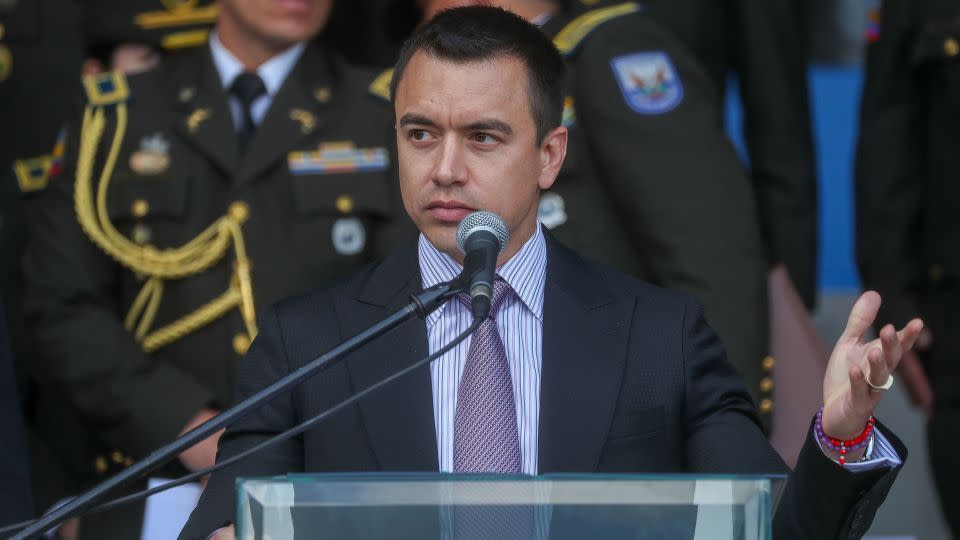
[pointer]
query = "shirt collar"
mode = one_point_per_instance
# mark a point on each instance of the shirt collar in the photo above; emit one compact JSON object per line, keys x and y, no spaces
{"x":525,"y":272}
{"x":273,"y":72}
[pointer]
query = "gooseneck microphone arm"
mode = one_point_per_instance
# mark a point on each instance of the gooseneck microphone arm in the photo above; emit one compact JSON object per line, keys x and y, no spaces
{"x":420,"y":305}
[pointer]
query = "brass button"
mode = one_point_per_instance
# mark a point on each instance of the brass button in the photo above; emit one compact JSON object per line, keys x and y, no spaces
{"x":766,"y":405}
{"x":116,"y":456}
{"x":768,"y":363}
{"x":936,"y":272}
{"x":322,"y":94}
{"x":239,"y":211}
{"x":951,"y":47}
{"x":766,"y":385}
{"x":345,"y":204}
{"x":100,"y":465}
{"x":141,"y":234}
{"x":241,"y":342}
{"x":140,"y":208}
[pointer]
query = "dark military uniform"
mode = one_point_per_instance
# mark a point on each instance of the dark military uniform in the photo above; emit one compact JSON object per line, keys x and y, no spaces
{"x":651,"y":185}
{"x":15,"y":501}
{"x":908,"y":196}
{"x":159,"y":241}
{"x":762,"y":42}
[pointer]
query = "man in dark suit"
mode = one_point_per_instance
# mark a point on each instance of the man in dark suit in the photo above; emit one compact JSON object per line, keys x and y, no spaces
{"x":907,"y":198}
{"x":249,"y":169}
{"x":578,"y":368}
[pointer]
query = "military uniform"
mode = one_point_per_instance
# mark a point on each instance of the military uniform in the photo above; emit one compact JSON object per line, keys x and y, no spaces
{"x":158,"y":242}
{"x":645,"y":169}
{"x":908,"y":229}
{"x":764,"y":45}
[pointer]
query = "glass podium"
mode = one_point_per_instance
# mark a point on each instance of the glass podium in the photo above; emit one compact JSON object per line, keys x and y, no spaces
{"x":560,"y":506}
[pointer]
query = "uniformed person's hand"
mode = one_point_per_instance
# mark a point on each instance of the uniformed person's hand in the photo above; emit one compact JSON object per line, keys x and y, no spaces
{"x":204,"y":453}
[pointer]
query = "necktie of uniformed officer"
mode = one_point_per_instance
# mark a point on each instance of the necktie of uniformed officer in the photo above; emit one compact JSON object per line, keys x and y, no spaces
{"x":247,"y":87}
{"x":485,"y":428}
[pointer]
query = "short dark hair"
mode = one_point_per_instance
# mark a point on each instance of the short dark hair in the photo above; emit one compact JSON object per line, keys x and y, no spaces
{"x":476,"y":33}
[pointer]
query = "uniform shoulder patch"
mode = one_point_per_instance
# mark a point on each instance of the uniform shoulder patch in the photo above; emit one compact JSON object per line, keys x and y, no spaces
{"x":579,"y":28}
{"x":649,"y":81}
{"x":380,"y":86}
{"x":105,"y":89}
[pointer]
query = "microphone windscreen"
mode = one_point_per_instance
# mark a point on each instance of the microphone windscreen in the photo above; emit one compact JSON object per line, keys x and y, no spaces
{"x":482,"y":221}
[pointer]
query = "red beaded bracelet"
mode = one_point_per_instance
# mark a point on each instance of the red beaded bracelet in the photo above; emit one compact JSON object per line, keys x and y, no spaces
{"x":841,"y":446}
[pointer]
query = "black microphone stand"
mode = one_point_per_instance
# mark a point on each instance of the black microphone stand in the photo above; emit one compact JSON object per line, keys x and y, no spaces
{"x":420,"y":305}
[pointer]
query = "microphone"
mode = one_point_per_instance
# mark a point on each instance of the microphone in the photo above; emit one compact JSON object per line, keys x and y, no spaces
{"x":482,"y":236}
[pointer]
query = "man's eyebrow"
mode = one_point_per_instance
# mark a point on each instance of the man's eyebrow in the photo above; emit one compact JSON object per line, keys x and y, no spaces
{"x":416,"y":119}
{"x":491,"y":125}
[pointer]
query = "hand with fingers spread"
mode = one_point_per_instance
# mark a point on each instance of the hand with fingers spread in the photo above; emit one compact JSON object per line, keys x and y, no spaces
{"x":860,"y":371}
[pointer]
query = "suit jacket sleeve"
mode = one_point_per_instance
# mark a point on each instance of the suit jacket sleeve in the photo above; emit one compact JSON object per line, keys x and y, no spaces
{"x":82,"y":348}
{"x":888,"y":170}
{"x":769,"y":57}
{"x":821,"y":499}
{"x":266,"y":362}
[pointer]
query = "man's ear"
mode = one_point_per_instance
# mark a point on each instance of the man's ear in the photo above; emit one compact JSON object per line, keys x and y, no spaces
{"x":553,"y":150}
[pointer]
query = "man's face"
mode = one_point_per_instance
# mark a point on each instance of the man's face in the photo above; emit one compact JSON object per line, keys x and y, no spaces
{"x":279,"y":23}
{"x":467,"y":141}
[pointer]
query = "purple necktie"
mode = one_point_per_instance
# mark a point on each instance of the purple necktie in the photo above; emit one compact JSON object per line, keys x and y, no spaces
{"x":485,"y":425}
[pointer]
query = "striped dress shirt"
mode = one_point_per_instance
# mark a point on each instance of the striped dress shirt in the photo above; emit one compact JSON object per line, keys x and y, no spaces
{"x":520,"y":323}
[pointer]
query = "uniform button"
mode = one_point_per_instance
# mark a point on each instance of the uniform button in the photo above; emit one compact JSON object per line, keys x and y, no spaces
{"x":100,"y":465}
{"x":127,"y":461}
{"x":140,"y":208}
{"x":766,"y":405}
{"x":768,"y":363}
{"x":141,"y":234}
{"x":951,"y":47}
{"x":345,"y":204}
{"x":936,"y":272}
{"x":766,"y":385}
{"x":241,"y":342}
{"x":322,"y":94}
{"x":239,"y":211}
{"x":116,"y":456}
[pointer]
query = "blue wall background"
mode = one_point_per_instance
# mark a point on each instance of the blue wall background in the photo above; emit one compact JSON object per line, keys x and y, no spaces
{"x":835,"y":103}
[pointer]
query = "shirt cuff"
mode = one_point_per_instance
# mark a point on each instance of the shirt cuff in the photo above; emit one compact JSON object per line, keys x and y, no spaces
{"x":883,"y":456}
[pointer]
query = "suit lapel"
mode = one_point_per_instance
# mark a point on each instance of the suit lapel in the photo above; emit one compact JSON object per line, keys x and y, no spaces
{"x":293,"y":115}
{"x":399,"y":417}
{"x":585,"y":331}
{"x":205,"y":116}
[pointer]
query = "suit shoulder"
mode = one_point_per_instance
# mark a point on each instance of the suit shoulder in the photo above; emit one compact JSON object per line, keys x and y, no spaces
{"x":321,"y":300}
{"x":646,"y":293}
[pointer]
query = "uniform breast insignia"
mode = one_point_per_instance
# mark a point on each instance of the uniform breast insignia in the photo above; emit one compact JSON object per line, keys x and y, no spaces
{"x":552,"y":210}
{"x":872,"y":32}
{"x":153,"y":157}
{"x":380,"y":87}
{"x":649,"y":82}
{"x":106,"y":88}
{"x":569,"y":113}
{"x":6,"y":62}
{"x":338,"y":157}
{"x":306,"y":119}
{"x":348,"y":236}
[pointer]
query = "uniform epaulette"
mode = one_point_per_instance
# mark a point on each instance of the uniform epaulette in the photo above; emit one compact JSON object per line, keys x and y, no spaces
{"x":576,"y":30}
{"x":106,"y":88}
{"x":380,"y":86}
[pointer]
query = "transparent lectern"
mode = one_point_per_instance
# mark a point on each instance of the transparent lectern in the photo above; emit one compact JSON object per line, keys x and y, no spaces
{"x":574,"y":506}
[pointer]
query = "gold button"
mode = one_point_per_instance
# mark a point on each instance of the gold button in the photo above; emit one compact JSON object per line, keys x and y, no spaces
{"x":141,"y":234}
{"x":936,"y":272}
{"x":322,"y":94}
{"x":100,"y":465}
{"x":766,"y":385}
{"x":127,"y":461}
{"x":140,"y":208}
{"x":766,"y":405}
{"x":951,"y":47}
{"x":116,"y":456}
{"x":768,"y":363}
{"x":345,"y":204}
{"x":241,"y":343}
{"x":239,"y":211}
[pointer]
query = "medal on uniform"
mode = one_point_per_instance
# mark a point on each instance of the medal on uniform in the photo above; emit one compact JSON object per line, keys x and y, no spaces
{"x":552,"y":210}
{"x":349,"y":236}
{"x":153,"y":156}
